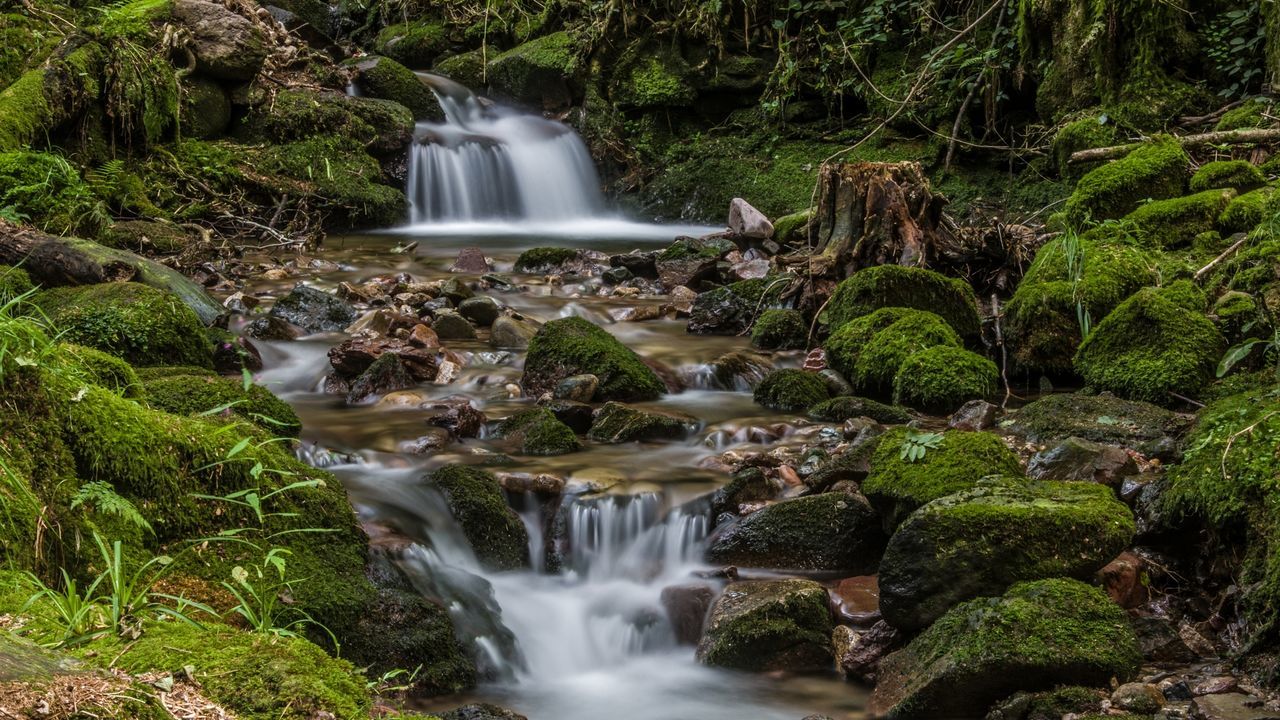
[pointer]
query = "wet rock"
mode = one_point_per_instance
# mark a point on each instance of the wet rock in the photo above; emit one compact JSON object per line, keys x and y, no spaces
{"x":574,"y":346}
{"x":639,"y":264}
{"x":981,"y":541}
{"x":422,"y":336}
{"x":1232,"y":706}
{"x":495,"y":532}
{"x":688,"y":261}
{"x":1124,"y":581}
{"x":748,"y":485}
{"x":857,"y":599}
{"x":450,"y":325}
{"x":620,"y":423}
{"x":481,"y":711}
{"x":739,"y":370}
{"x":1137,"y":698}
{"x":687,"y":607}
{"x":552,"y":260}
{"x":471,"y":261}
{"x":313,"y":310}
{"x":1036,"y":636}
{"x":458,"y":416}
{"x":1144,"y":427}
{"x":355,"y":355}
{"x":233,"y":354}
{"x":1215,"y":685}
{"x":849,"y":468}
{"x":536,"y":431}
{"x":731,"y":309}
{"x":1084,"y":460}
{"x":1159,"y":641}
{"x":238,"y":302}
{"x":832,"y":532}
{"x":381,"y":322}
{"x":839,"y":409}
{"x":577,"y":415}
{"x":748,"y":222}
{"x":385,"y":375}
{"x":765,"y":625}
{"x":861,"y":651}
{"x":434,"y":441}
{"x":682,"y":300}
{"x":616,"y":275}
{"x":481,"y":310}
{"x":578,"y":388}
{"x":456,"y":290}
{"x":226,"y":45}
{"x":508,"y":332}
{"x":791,"y":390}
{"x":974,"y":416}
{"x":750,"y":269}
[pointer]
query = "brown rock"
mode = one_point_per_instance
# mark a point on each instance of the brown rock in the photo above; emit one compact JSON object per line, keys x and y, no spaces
{"x":857,"y":599}
{"x":424,"y":337}
{"x":1122,"y":578}
{"x":974,"y":416}
{"x":356,"y":355}
{"x":458,"y":416}
{"x":471,"y":260}
{"x":686,"y":607}
{"x":861,"y":658}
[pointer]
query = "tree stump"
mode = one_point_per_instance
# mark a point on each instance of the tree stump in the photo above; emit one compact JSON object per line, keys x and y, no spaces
{"x":875,"y":214}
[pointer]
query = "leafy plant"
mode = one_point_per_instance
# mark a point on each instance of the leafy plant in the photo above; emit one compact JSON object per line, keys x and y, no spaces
{"x":1236,"y":46}
{"x":1073,"y":251}
{"x":102,"y":496}
{"x":396,"y":680}
{"x":917,"y":444}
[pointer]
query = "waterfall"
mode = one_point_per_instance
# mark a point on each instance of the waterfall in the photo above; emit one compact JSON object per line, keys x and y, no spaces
{"x":488,"y":162}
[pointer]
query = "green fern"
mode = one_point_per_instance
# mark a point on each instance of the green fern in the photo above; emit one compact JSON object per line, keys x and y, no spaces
{"x":102,"y":496}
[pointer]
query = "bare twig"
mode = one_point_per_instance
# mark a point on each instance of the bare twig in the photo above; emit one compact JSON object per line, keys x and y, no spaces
{"x":1248,"y":135}
{"x":1225,"y":254}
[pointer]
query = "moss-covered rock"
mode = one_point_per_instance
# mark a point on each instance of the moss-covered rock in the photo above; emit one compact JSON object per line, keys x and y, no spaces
{"x":467,"y":68}
{"x":1232,"y":312}
{"x":47,"y":191}
{"x":1036,"y":636}
{"x":42,"y":99}
{"x":1156,"y":171}
{"x":386,"y":79}
{"x":1248,"y":115}
{"x":547,"y":259}
{"x":380,"y":125}
{"x":942,"y":378}
{"x":143,"y":325}
{"x":1150,"y":429}
{"x":338,"y":177}
{"x":731,"y":309}
{"x":14,"y":283}
{"x":497,"y":536}
{"x":979,"y":542}
{"x":780,"y":329}
{"x":619,"y":423}
{"x":1091,"y":131}
{"x":417,"y":43}
{"x":885,"y":286}
{"x":897,"y":486}
{"x":652,"y":75}
{"x":539,"y":72}
{"x":791,"y":390}
{"x":146,"y":236}
{"x":102,"y":369}
{"x":574,"y":346}
{"x":1239,"y":175}
{"x":839,"y":409}
{"x":870,"y":350}
{"x":1245,"y":212}
{"x":832,"y":532}
{"x":1174,"y":223}
{"x":764,"y":625}
{"x":199,"y":394}
{"x":536,"y":431}
{"x":793,"y":227}
{"x":1149,"y":347}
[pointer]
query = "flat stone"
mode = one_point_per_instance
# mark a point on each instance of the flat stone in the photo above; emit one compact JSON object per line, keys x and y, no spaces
{"x":471,"y":260}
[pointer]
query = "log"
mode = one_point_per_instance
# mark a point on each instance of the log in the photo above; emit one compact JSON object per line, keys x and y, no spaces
{"x":55,"y":261}
{"x":1221,"y":137}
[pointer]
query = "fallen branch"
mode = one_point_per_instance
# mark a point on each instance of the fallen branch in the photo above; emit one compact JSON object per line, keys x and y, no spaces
{"x":1225,"y":254}
{"x":1222,"y":137}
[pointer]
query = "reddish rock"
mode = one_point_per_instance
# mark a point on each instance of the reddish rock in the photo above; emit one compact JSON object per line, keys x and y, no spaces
{"x":1122,"y":578}
{"x":354,"y":356}
{"x":424,"y":337}
{"x":686,"y":607}
{"x":974,"y":416}
{"x":471,"y":260}
{"x":458,"y":416}
{"x":860,"y":658}
{"x":857,"y":599}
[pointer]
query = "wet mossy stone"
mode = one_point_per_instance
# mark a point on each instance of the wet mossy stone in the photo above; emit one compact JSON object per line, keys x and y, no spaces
{"x":1147,"y":428}
{"x":731,"y":309}
{"x":200,"y":394}
{"x":536,"y":431}
{"x":979,"y":542}
{"x":1157,"y":171}
{"x":1086,"y":133}
{"x":906,"y":287}
{"x":1150,"y":347}
{"x":1042,"y":325}
{"x":386,"y":79}
{"x":49,"y":193}
{"x":619,"y":423}
{"x":652,"y":75}
{"x":496,"y":534}
{"x":464,"y":68}
{"x":574,"y":346}
{"x":313,"y":310}
{"x":791,"y":390}
{"x":1248,"y":115}
{"x":382,"y":126}
{"x":1186,"y":295}
{"x":337,"y":175}
{"x":206,"y":108}
{"x":780,"y":329}
{"x":1246,"y":211}
{"x":1232,"y":312}
{"x":831,"y":532}
{"x":869,"y":350}
{"x":138,"y":323}
{"x":1036,"y":636}
{"x":539,"y":72}
{"x":767,"y":625}
{"x":102,"y":369}
{"x":14,"y":281}
{"x":1174,"y":223}
{"x":546,"y":260}
{"x":897,"y":487}
{"x":416,"y":44}
{"x":845,"y":407}
{"x":941,"y":379}
{"x":1239,"y":175}
{"x":748,"y":485}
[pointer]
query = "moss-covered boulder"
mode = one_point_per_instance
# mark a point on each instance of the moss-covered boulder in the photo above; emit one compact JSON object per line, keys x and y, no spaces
{"x":619,"y":423}
{"x":1239,"y":175}
{"x":548,"y":260}
{"x":47,"y":191}
{"x":337,"y":175}
{"x":1246,"y":211}
{"x":467,"y":68}
{"x":1157,"y":171}
{"x":574,"y":346}
{"x":14,"y":281}
{"x":731,"y":309}
{"x":293,"y":115}
{"x":1091,"y":131}
{"x":1037,"y":636}
{"x":1149,"y":347}
{"x":845,"y":407}
{"x":956,"y":461}
{"x":791,"y":390}
{"x":386,"y":79}
{"x":1175,"y":223}
{"x":536,"y":431}
{"x":979,"y":542}
{"x":183,"y":393}
{"x":832,"y":532}
{"x":417,"y":43}
{"x":1042,"y":320}
{"x":869,"y":350}
{"x":1150,"y":429}
{"x":206,"y":108}
{"x":652,"y":75}
{"x":102,"y":369}
{"x":141,"y":324}
{"x":497,"y":536}
{"x":766,"y":625}
{"x":885,"y":286}
{"x":539,"y":73}
{"x":780,"y":329}
{"x":942,"y":378}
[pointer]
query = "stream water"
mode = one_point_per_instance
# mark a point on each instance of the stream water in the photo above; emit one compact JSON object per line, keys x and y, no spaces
{"x":591,"y":640}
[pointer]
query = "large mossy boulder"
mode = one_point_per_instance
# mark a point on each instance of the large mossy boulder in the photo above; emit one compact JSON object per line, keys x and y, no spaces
{"x":870,"y":350}
{"x":497,"y":536}
{"x":184,"y":391}
{"x":952,"y":463}
{"x":731,"y":309}
{"x":791,"y":390}
{"x":886,"y":286}
{"x":979,"y":542}
{"x":1150,"y":348}
{"x":940,"y":379}
{"x":1037,"y":636}
{"x":104,"y":369}
{"x":1239,"y":175}
{"x":386,"y":79}
{"x":1042,"y":327}
{"x":832,"y":532}
{"x":539,"y":73}
{"x":768,"y":625}
{"x":1154,"y":171}
{"x":780,"y":329}
{"x":380,"y":125}
{"x":536,"y":431}
{"x":1175,"y":223}
{"x":337,"y":175}
{"x":574,"y":346}
{"x":417,"y":43}
{"x":1246,"y":211}
{"x":136,"y":322}
{"x":1147,"y":428}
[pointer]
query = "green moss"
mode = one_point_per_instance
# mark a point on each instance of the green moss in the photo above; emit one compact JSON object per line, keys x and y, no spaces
{"x":417,"y":44}
{"x":687,"y":248}
{"x":1240,"y":175}
{"x":143,"y":325}
{"x":545,"y":259}
{"x":653,"y":77}
{"x":779,"y":329}
{"x":386,"y":79}
{"x":1149,"y":347}
{"x":1233,"y":312}
{"x":47,"y":191}
{"x":1248,"y":115}
{"x":1245,"y":212}
{"x":619,"y":423}
{"x":14,"y":281}
{"x":339,"y":178}
{"x":467,"y":68}
{"x":941,"y":378}
{"x":25,"y":42}
{"x":1168,"y":224}
{"x":1186,"y":295}
{"x":574,"y":346}
{"x":791,"y":390}
{"x":103,"y":369}
{"x":769,"y":625}
{"x":292,"y":115}
{"x":731,"y":309}
{"x":1101,"y":418}
{"x":146,"y":237}
{"x":897,"y":487}
{"x":907,"y":287}
{"x":537,"y":70}
{"x":789,"y":228}
{"x":870,"y":350}
{"x":198,"y":394}
{"x":1086,"y":133}
{"x":496,"y":534}
{"x":43,"y":98}
{"x":1156,"y":170}
{"x":536,"y":431}
{"x":829,"y":532}
{"x":842,"y":408}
